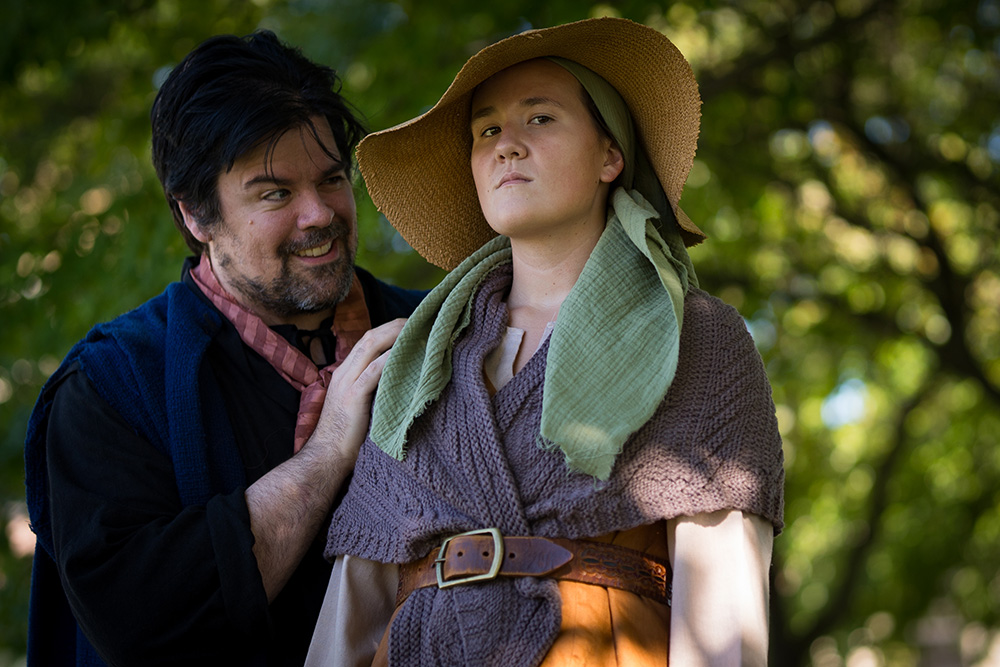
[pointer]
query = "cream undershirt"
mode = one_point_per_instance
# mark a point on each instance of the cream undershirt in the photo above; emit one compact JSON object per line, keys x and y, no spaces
{"x":720,"y":561}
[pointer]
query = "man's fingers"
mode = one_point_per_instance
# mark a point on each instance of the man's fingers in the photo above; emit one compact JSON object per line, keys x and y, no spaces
{"x":344,"y":419}
{"x":373,"y":345}
{"x":372,"y":373}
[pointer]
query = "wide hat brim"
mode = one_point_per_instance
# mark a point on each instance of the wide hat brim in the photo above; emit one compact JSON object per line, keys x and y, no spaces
{"x":418,"y":172}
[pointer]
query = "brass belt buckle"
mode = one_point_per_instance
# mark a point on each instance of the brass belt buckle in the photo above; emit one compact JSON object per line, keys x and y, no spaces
{"x":494,"y":566}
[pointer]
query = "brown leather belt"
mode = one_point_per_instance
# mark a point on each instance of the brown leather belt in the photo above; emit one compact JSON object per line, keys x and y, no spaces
{"x":481,"y":555}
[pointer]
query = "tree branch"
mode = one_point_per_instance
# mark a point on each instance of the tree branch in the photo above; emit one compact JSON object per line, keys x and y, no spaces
{"x":795,"y":649}
{"x":784,"y":46}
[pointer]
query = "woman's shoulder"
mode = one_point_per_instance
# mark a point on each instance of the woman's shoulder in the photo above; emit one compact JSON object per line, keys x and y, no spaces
{"x":717,"y":350}
{"x":698,"y":301}
{"x":709,"y":318}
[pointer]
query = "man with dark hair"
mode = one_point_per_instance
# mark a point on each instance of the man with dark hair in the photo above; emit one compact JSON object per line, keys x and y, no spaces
{"x":182,"y":460}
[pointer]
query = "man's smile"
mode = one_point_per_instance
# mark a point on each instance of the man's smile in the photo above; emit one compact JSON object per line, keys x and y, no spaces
{"x":316,"y":251}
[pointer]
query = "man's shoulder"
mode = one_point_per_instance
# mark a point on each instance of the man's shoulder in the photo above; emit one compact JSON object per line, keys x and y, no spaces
{"x":176,"y":309}
{"x":134,"y":346}
{"x":119,"y":356}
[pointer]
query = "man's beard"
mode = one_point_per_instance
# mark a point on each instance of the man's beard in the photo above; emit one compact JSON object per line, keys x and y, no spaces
{"x":313,"y":289}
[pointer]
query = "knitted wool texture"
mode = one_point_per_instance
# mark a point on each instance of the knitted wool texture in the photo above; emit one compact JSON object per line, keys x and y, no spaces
{"x":473,"y":462}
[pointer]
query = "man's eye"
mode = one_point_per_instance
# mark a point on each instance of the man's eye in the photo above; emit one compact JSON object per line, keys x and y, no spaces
{"x":541,"y":119}
{"x":276,"y":195}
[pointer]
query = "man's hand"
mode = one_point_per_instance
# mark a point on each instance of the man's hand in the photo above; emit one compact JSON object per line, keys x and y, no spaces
{"x":343,"y":424}
{"x":288,"y":504}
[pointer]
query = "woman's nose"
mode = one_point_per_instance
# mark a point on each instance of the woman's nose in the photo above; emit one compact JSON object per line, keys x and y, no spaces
{"x":511,"y":146}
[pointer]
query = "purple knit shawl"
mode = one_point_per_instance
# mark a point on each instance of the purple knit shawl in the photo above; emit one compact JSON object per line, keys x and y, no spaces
{"x":472,"y":462}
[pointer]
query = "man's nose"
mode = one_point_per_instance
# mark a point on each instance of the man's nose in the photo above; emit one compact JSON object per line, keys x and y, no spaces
{"x":315,"y":211}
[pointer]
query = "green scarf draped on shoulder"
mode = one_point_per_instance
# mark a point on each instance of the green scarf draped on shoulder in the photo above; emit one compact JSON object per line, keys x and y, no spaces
{"x":612,"y":355}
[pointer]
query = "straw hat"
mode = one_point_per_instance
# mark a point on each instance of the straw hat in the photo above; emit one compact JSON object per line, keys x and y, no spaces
{"x":418,"y":172}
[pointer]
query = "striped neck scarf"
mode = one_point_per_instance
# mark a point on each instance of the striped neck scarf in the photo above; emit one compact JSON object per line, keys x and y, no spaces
{"x":350,"y":323}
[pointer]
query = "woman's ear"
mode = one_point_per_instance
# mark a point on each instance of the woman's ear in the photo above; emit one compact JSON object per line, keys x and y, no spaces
{"x":192,"y":224}
{"x":613,"y":163}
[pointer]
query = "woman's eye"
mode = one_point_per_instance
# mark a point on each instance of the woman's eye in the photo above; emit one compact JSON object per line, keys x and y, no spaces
{"x":490,"y":131}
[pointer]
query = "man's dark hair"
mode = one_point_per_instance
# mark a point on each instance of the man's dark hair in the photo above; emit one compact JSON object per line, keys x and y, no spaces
{"x":228,"y":96}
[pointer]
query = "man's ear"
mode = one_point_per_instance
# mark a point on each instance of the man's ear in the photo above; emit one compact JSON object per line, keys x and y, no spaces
{"x":613,"y":163}
{"x":191,"y":222}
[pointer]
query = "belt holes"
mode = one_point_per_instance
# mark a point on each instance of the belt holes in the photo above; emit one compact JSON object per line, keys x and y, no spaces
{"x":486,"y":554}
{"x":511,"y":555}
{"x":461,"y":553}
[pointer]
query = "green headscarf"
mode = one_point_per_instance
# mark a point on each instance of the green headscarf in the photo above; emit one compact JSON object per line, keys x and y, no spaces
{"x":638,"y":173}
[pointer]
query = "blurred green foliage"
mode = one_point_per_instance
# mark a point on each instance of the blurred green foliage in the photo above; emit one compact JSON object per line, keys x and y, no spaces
{"x":847,"y":176}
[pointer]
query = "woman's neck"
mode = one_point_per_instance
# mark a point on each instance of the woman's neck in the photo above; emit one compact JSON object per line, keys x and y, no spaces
{"x":546,"y":270}
{"x":543,"y":276}
{"x":541,"y":286}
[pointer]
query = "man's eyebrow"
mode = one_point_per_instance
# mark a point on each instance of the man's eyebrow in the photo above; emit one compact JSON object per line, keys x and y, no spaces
{"x":271,"y":179}
{"x":526,"y":102}
{"x":267,"y":179}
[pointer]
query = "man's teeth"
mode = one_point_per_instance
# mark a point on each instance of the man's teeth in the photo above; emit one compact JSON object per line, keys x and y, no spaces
{"x":318,"y":251}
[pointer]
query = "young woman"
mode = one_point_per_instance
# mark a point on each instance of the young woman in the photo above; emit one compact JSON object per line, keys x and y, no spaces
{"x":568,"y":395}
